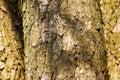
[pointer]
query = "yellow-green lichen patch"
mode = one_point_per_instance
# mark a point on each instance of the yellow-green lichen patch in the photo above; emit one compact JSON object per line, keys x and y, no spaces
{"x":110,"y":15}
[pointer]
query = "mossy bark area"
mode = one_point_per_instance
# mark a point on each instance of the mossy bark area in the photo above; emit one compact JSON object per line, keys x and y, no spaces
{"x":111,"y":18}
{"x":11,"y":60}
{"x":64,"y":40}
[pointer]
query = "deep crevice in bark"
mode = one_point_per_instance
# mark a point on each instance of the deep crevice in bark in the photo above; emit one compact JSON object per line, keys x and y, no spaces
{"x":13,"y":9}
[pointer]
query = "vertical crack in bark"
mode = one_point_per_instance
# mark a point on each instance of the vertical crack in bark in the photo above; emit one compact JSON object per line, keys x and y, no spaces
{"x":13,"y":40}
{"x":101,"y":71}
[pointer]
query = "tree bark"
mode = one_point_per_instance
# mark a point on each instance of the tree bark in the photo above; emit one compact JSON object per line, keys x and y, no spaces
{"x":59,"y":39}
{"x":11,"y":48}
{"x":111,"y":18}
{"x":64,"y":40}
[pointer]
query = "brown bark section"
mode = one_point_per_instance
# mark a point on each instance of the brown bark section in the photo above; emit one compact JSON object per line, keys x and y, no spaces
{"x":64,"y":40}
{"x":11,"y":53}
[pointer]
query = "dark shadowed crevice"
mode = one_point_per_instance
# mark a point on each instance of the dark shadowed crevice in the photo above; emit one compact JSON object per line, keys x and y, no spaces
{"x":14,"y":11}
{"x":13,"y":8}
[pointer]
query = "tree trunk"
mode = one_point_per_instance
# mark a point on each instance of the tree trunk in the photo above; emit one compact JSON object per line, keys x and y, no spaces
{"x":64,"y":40}
{"x":11,"y":52}
{"x":59,"y":39}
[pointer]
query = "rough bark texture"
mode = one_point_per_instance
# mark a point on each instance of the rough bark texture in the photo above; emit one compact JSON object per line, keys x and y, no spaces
{"x":64,"y":40}
{"x":11,"y":59}
{"x":59,"y":40}
{"x":111,"y":18}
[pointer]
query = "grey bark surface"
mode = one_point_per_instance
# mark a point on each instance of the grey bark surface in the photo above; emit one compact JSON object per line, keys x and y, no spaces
{"x":64,"y":40}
